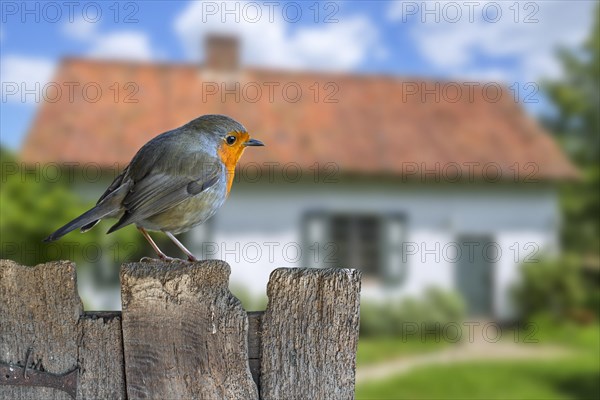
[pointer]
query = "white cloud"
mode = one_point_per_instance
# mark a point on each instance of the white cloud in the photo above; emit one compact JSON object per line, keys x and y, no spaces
{"x":526,"y":51}
{"x":272,"y":42}
{"x":80,"y":29}
{"x":127,"y":45}
{"x":490,"y":74}
{"x":21,"y":75}
{"x":130,"y":45}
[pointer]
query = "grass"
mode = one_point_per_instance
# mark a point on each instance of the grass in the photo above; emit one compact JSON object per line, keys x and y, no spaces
{"x":573,"y":377}
{"x":372,"y":350}
{"x":568,"y":333}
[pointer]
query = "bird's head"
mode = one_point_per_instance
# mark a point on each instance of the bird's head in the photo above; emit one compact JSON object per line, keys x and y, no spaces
{"x":230,"y":137}
{"x":233,"y":145}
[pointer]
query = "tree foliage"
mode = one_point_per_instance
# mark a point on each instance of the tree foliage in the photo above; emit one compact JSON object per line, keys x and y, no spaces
{"x":32,"y":206}
{"x":577,"y":125}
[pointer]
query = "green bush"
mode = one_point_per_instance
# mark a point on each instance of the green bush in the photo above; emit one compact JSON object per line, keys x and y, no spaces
{"x":250,"y":301}
{"x":435,"y":309}
{"x":33,"y":206}
{"x":593,"y":299}
{"x":377,"y":319}
{"x":552,"y":286}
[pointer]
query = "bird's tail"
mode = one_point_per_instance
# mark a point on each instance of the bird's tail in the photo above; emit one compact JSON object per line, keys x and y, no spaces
{"x":85,"y":220}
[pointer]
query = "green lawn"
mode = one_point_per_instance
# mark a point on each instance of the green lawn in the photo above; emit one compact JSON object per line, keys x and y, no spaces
{"x":572,"y":377}
{"x":576,"y":378}
{"x":374,"y":350}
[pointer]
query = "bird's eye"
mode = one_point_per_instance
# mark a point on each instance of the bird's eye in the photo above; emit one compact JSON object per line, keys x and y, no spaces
{"x":230,"y":139}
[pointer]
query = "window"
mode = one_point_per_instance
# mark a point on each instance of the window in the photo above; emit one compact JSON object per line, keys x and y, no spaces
{"x":369,"y":242}
{"x":356,"y":239}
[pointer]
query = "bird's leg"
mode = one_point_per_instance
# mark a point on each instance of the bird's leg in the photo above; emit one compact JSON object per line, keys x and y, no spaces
{"x":191,"y":257}
{"x":160,"y":254}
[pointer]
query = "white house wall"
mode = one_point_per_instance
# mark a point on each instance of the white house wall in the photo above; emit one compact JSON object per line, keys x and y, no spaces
{"x":259,"y":229}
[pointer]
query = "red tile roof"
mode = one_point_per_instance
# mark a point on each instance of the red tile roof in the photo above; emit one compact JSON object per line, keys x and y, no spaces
{"x":375,"y":125}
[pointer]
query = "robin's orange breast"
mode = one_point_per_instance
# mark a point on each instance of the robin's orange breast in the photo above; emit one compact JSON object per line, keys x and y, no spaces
{"x":230,"y":155}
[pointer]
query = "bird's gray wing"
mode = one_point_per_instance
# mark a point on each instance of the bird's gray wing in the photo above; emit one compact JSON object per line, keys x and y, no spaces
{"x":157,"y":192}
{"x":116,"y":184}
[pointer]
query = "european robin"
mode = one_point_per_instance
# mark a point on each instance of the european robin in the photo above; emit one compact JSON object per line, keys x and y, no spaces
{"x":175,"y":182}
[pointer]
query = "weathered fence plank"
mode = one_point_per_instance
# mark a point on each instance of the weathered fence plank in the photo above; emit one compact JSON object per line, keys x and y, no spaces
{"x":310,"y":334}
{"x":184,"y":333}
{"x":181,"y":335}
{"x":39,"y":314}
{"x":254,"y":332}
{"x":102,"y":372}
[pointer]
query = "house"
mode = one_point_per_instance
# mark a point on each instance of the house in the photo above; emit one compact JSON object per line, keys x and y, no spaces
{"x":417,"y":182}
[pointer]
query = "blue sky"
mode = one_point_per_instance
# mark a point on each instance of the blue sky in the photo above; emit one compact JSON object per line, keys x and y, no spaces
{"x":507,"y":42}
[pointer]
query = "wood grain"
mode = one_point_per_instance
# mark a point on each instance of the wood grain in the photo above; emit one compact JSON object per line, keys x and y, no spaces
{"x":254,"y":341}
{"x":39,"y":309}
{"x":184,"y":334}
{"x":310,"y":334}
{"x":102,"y":372}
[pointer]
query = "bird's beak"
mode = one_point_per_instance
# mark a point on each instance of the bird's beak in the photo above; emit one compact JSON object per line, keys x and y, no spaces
{"x":253,"y":142}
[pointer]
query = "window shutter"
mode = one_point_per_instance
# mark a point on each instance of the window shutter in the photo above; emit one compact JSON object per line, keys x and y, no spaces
{"x":316,"y":237}
{"x":394,"y":234}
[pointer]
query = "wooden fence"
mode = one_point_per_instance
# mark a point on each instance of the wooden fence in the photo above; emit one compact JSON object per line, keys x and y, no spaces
{"x":181,"y":335}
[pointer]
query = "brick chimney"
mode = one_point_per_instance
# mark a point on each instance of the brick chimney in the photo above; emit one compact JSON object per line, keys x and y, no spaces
{"x":222,"y":52}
